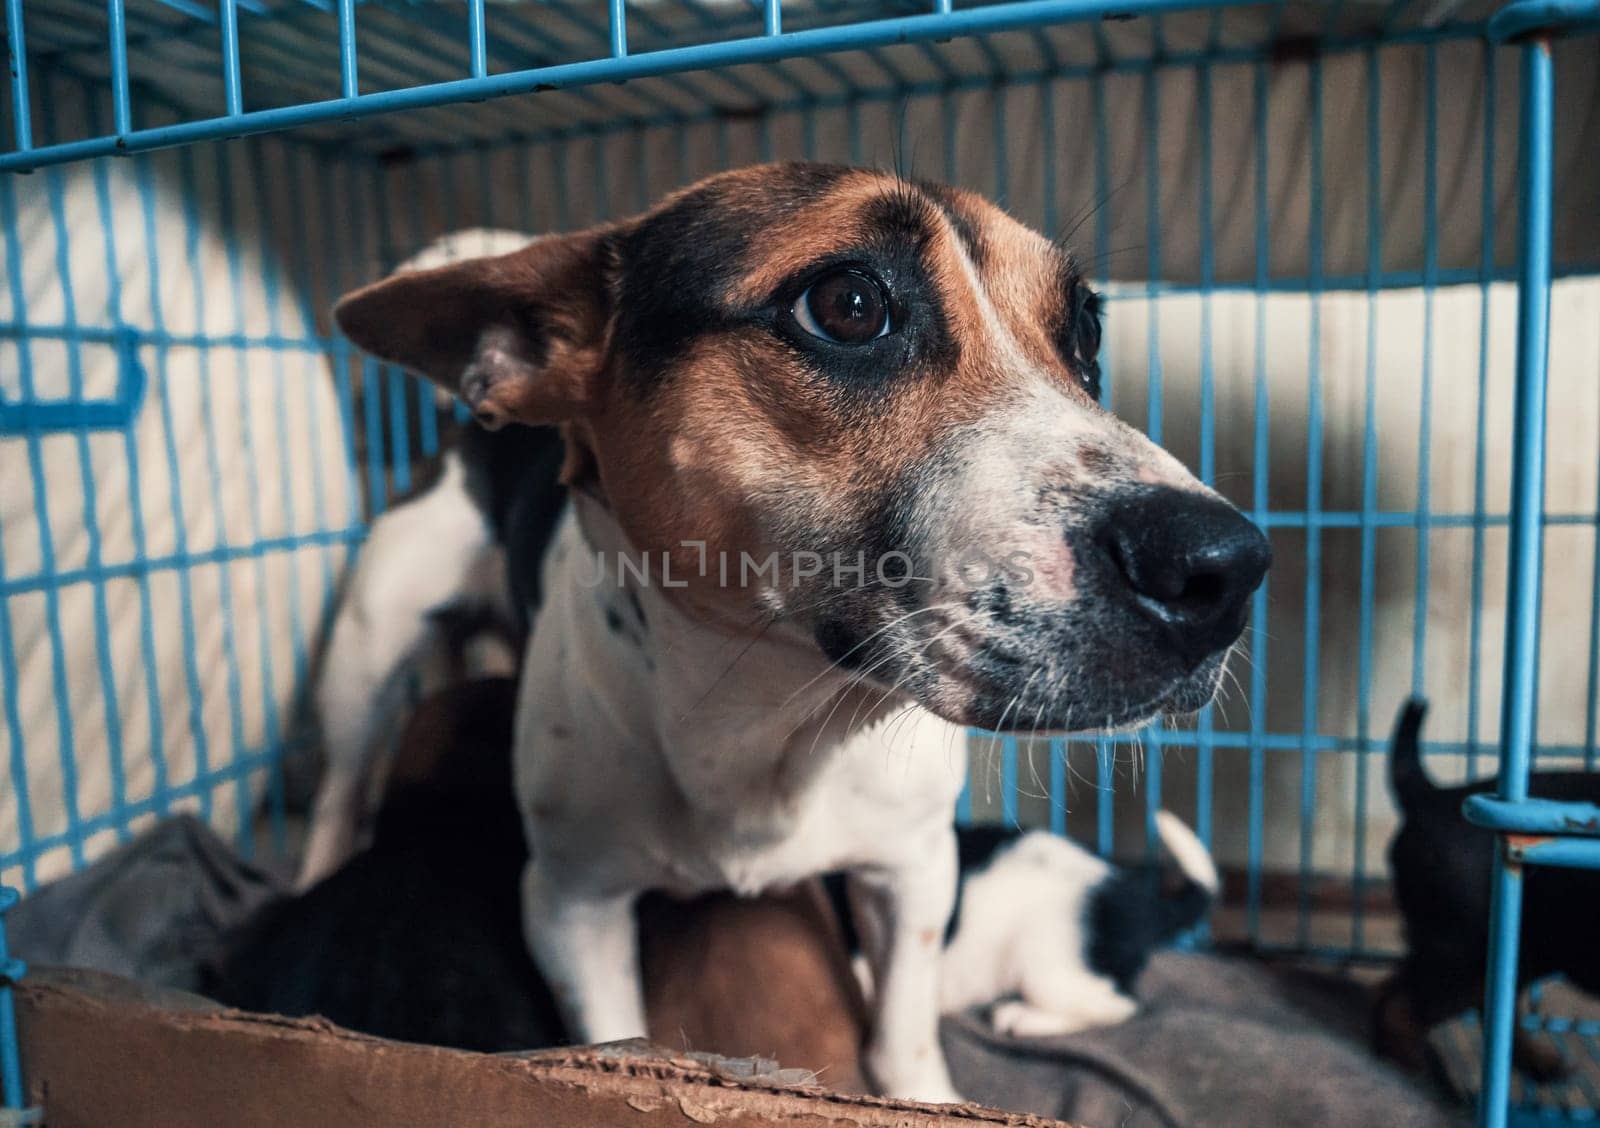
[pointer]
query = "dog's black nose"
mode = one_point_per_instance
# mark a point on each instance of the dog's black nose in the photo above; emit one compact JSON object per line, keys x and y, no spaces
{"x":1191,"y":562}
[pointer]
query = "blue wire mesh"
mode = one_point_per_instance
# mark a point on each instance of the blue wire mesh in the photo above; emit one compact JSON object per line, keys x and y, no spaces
{"x":1216,"y":280}
{"x":11,"y":970}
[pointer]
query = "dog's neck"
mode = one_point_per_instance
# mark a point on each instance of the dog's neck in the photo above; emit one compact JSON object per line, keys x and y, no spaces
{"x":745,"y":713}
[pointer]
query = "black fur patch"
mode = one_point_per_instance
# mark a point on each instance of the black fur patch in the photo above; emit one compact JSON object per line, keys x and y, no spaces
{"x":841,"y":645}
{"x":1442,"y":866}
{"x":995,"y":599}
{"x":513,"y":476}
{"x":418,"y":938}
{"x":675,"y":268}
{"x":628,"y":628}
{"x":968,"y":232}
{"x":1128,"y":917}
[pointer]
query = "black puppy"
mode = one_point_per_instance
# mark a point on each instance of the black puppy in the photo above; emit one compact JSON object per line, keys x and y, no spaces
{"x":419,"y":938}
{"x":1442,"y":879}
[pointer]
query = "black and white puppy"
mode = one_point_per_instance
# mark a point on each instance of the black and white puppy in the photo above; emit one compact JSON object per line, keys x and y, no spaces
{"x":1053,"y":937}
{"x":1442,"y":880}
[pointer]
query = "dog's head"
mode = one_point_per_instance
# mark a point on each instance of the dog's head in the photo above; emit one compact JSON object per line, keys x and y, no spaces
{"x":862,"y":411}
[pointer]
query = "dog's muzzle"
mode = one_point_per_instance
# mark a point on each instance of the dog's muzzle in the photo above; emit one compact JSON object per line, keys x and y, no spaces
{"x":1187,"y":562}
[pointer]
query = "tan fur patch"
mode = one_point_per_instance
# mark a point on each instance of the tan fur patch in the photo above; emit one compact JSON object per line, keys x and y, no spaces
{"x":699,"y":460}
{"x":833,"y":222}
{"x":741,"y":440}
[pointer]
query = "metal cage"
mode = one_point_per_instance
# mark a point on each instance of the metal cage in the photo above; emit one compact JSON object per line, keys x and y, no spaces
{"x":1339,"y":239}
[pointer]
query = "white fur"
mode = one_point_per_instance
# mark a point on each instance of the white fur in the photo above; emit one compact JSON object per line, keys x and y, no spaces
{"x":468,"y":243}
{"x":1022,"y":933}
{"x":699,"y":761}
{"x":1188,"y":851}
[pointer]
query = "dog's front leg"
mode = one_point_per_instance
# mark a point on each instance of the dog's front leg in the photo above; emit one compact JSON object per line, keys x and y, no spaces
{"x":910,"y":905}
{"x":587,"y":949}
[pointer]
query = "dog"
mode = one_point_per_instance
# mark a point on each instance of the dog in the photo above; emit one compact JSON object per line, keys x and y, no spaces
{"x":419,"y":938}
{"x":1442,"y":868}
{"x":840,"y":485}
{"x":1053,"y":937}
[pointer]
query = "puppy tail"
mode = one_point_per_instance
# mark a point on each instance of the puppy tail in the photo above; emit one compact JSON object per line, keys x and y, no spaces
{"x":1188,"y":851}
{"x":1407,"y":776}
{"x":1183,"y":908}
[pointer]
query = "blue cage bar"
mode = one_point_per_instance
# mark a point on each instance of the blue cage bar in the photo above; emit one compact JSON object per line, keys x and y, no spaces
{"x":1529,"y":832}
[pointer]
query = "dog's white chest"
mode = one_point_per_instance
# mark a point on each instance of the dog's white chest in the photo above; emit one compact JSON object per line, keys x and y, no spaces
{"x":878,"y":792}
{"x":688,"y":766}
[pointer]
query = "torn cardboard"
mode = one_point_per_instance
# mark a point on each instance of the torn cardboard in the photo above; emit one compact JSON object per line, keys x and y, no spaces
{"x":98,"y":1051}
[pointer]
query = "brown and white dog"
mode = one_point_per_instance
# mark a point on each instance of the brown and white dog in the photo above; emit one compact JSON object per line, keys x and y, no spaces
{"x":840,"y":484}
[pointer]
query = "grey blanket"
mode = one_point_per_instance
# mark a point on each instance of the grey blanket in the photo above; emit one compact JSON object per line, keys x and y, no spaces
{"x":1221,"y":1041}
{"x":153,"y":909}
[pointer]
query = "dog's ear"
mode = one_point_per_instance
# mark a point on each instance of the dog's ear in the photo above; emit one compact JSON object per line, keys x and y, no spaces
{"x":520,"y":337}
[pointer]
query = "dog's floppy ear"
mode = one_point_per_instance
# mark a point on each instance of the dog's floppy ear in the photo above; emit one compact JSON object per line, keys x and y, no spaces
{"x":520,"y":337}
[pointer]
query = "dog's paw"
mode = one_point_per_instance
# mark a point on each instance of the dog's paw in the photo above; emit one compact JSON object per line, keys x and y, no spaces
{"x":1110,"y":1011}
{"x":1017,"y":1019}
{"x":924,"y":1079}
{"x":934,"y":1091}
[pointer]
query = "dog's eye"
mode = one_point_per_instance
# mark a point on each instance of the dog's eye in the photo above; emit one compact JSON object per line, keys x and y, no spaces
{"x":1088,"y":327}
{"x":1080,"y":336}
{"x":846,"y":307}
